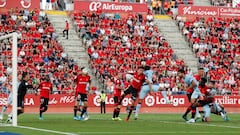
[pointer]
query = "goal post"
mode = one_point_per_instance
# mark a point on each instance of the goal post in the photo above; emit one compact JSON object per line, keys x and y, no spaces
{"x":14,"y":36}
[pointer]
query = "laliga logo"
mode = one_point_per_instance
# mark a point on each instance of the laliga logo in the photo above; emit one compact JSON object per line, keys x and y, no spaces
{"x":3,"y":3}
{"x":93,"y":6}
{"x":25,"y":3}
{"x":149,"y":100}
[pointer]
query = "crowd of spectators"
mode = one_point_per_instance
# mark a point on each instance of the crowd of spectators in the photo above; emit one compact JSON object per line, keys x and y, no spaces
{"x":119,"y":45}
{"x":216,"y":43}
{"x":39,"y":52}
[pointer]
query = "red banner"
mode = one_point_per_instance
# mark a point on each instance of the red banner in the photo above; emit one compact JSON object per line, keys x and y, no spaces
{"x":29,"y":4}
{"x":109,"y":7}
{"x":149,"y":101}
{"x":207,"y":11}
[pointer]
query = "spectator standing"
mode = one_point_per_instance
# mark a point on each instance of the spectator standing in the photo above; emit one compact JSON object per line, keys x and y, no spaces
{"x":66,"y":29}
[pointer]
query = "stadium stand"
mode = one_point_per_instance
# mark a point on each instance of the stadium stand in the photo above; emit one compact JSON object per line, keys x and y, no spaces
{"x":39,"y":52}
{"x":117,"y":44}
{"x":215,"y":42}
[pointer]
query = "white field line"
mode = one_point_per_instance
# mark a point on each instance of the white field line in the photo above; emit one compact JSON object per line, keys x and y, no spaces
{"x":46,"y":130}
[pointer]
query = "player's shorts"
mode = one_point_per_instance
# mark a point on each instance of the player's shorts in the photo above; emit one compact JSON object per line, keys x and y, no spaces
{"x":116,"y":99}
{"x":207,"y":111}
{"x":44,"y":101}
{"x":20,"y":101}
{"x":82,"y":97}
{"x":145,"y":90}
{"x":133,"y":91}
{"x":9,"y":101}
{"x":195,"y":94}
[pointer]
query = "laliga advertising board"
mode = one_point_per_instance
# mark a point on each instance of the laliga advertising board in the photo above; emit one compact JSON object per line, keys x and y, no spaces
{"x":109,"y":6}
{"x":29,"y":4}
{"x":149,"y":101}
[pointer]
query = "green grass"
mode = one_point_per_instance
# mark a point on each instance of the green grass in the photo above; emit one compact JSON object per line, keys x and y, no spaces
{"x":148,"y":124}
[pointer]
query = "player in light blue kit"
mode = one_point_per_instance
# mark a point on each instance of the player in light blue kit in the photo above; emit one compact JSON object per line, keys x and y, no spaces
{"x":9,"y":103}
{"x":154,"y":87}
{"x":191,"y":83}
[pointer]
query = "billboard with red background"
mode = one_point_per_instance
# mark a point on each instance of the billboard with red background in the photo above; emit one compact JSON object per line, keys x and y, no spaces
{"x":109,"y":7}
{"x":29,"y":4}
{"x":149,"y":101}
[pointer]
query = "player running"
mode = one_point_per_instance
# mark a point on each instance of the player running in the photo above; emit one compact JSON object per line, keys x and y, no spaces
{"x":117,"y":94}
{"x":45,"y":88}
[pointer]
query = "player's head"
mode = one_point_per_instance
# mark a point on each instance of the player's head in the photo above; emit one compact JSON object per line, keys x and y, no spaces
{"x":85,"y":71}
{"x":211,"y":84}
{"x":147,"y":67}
{"x":203,"y":82}
{"x":46,"y":78}
{"x":201,"y":71}
{"x":181,"y":73}
{"x":140,"y":70}
{"x":25,"y":76}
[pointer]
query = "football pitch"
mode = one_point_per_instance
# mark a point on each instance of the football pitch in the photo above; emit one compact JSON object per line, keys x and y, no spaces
{"x":101,"y":124}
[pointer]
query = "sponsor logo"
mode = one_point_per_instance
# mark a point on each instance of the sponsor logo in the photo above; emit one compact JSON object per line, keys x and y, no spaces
{"x":93,"y":6}
{"x":110,"y":101}
{"x":3,"y":3}
{"x":198,"y":11}
{"x":152,"y":101}
{"x":25,"y":3}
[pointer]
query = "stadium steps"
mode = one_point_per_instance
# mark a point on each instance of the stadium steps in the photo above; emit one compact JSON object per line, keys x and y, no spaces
{"x":73,"y":45}
{"x":201,"y":3}
{"x":177,"y":42}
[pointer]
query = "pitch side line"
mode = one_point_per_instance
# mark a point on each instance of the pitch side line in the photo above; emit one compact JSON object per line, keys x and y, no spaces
{"x":113,"y":133}
{"x":46,"y":130}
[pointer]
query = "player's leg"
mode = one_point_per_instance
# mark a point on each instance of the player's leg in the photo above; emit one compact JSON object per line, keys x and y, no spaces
{"x":134,"y":98}
{"x":76,"y":105}
{"x":43,"y":107}
{"x":193,"y":106}
{"x":207,"y":113}
{"x":4,"y":109}
{"x":126,"y":92}
{"x":189,"y":108}
{"x":84,"y":99}
{"x":115,"y":99}
{"x":144,"y":91}
{"x":221,"y":111}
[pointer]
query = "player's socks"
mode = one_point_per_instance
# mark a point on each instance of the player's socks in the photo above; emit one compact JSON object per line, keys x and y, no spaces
{"x":75,"y":111}
{"x":138,"y":109}
{"x":130,"y":112}
{"x":19,"y":112}
{"x":83,"y":111}
{"x":164,"y":94}
{"x":4,"y":109}
{"x":117,"y":112}
{"x":114,"y":112}
{"x":187,"y":111}
{"x":193,"y":111}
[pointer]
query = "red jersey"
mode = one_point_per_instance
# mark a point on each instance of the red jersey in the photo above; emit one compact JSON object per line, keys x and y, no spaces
{"x":117,"y":92}
{"x":45,"y":89}
{"x":82,"y":83}
{"x":138,"y":81}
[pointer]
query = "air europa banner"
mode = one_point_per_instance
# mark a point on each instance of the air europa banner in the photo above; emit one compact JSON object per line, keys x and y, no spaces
{"x":29,"y":4}
{"x":109,"y":6}
{"x":149,"y":101}
{"x":207,"y":11}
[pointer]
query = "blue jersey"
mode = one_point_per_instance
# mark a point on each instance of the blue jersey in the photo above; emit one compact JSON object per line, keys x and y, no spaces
{"x":189,"y":79}
{"x":149,"y":75}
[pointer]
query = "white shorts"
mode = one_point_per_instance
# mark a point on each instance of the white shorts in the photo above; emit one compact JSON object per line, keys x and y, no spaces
{"x":9,"y":101}
{"x":195,"y":94}
{"x":145,"y":90}
{"x":207,"y":111}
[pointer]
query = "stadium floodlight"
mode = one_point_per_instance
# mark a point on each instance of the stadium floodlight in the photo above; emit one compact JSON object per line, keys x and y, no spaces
{"x":14,"y":36}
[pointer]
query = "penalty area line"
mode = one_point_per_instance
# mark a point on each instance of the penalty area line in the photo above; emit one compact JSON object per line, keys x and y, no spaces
{"x":46,"y":130}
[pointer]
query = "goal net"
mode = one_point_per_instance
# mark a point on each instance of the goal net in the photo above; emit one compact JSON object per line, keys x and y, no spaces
{"x":8,"y":78}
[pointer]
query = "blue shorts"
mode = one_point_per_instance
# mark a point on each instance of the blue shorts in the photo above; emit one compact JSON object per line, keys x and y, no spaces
{"x":145,"y":90}
{"x":207,"y":111}
{"x":195,"y":94}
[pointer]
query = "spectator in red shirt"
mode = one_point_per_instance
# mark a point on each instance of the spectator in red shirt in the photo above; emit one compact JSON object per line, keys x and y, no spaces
{"x":66,"y":29}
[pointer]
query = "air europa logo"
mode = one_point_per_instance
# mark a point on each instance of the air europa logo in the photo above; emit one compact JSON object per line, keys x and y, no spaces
{"x":25,"y":3}
{"x":93,"y":6}
{"x":3,"y":3}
